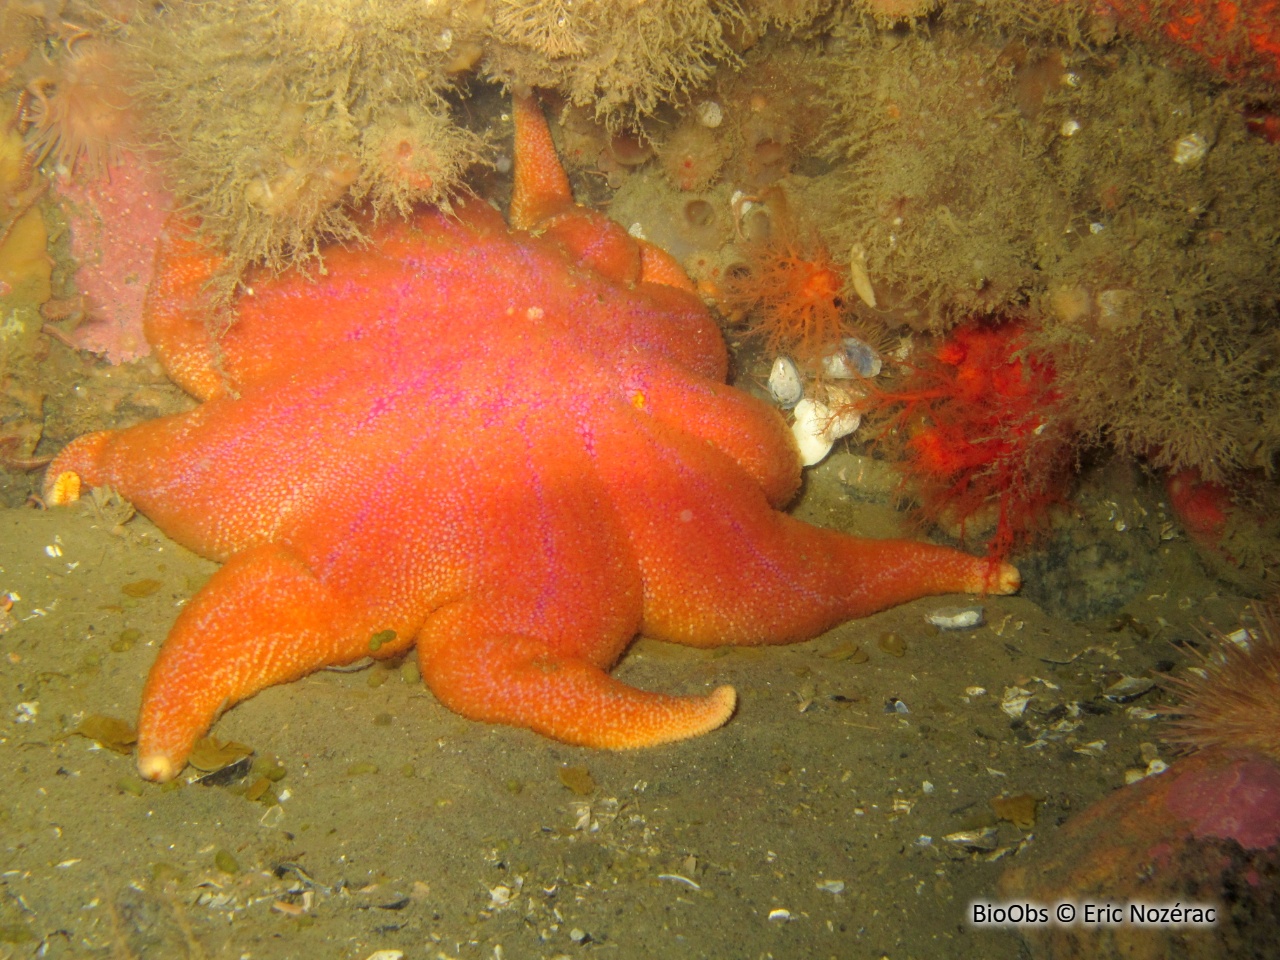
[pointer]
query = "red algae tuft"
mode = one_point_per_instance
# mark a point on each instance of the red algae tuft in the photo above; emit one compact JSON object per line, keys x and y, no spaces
{"x":983,"y":437}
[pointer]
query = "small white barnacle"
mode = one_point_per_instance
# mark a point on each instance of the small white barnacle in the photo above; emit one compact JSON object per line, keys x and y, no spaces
{"x":709,"y":114}
{"x":1190,"y":150}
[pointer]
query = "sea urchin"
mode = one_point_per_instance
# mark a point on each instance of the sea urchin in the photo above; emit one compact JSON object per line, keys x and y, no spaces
{"x":1235,"y":703}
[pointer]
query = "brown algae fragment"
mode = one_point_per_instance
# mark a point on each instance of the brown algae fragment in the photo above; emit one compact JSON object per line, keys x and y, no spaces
{"x":847,"y":651}
{"x":380,"y":638}
{"x":261,"y":790}
{"x":272,"y":768}
{"x":141,"y":588}
{"x":210,"y":754}
{"x":1019,"y":810}
{"x":125,"y":641}
{"x":577,"y":779}
{"x":109,"y":732}
{"x":226,"y":863}
{"x":892,"y":644}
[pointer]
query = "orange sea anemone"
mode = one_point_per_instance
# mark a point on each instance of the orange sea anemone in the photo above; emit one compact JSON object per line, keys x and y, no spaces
{"x":79,"y":111}
{"x":789,"y":290}
{"x":1235,"y":703}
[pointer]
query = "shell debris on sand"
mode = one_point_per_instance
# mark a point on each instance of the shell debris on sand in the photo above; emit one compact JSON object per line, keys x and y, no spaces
{"x":956,"y":618}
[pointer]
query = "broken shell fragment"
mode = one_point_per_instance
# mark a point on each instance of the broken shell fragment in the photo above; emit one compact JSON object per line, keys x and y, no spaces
{"x":983,"y":839}
{"x":956,"y":618}
{"x":1128,"y":689}
{"x":1014,"y":701}
{"x":785,"y":385}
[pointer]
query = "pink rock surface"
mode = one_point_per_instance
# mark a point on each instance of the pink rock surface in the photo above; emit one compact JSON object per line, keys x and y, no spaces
{"x":1238,"y":801}
{"x":115,"y":221}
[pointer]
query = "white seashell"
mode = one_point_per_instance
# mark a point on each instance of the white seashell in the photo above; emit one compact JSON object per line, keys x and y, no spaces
{"x":1015,"y":700}
{"x":816,"y":428}
{"x":985,"y":838}
{"x":1190,"y":150}
{"x":848,"y":420}
{"x":810,"y":431}
{"x":785,"y":385}
{"x":956,"y":618}
{"x":852,"y":359}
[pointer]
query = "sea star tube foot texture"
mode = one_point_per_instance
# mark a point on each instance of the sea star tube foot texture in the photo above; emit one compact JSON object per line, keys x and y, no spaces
{"x":512,"y":447}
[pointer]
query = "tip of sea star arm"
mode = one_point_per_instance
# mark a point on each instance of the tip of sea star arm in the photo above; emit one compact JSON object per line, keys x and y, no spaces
{"x":74,"y":468}
{"x":699,"y":715}
{"x":658,"y":266}
{"x":158,"y":767}
{"x":541,"y":187}
{"x":638,"y":719}
{"x":1005,"y":579}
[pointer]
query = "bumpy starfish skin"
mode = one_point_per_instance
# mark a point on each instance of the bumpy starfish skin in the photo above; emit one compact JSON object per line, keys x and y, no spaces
{"x":512,"y":447}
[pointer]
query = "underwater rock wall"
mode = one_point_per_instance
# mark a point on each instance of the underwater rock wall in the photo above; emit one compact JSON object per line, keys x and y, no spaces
{"x":1049,"y":164}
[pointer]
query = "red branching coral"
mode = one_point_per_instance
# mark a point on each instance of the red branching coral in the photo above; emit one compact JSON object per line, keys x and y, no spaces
{"x":982,"y":431}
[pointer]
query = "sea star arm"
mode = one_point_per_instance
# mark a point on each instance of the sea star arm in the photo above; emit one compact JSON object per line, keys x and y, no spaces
{"x":720,"y":566}
{"x":522,"y":681}
{"x":176,"y":307}
{"x":789,"y":581}
{"x":658,"y":266}
{"x":262,"y":619}
{"x":542,"y":202}
{"x":541,"y":188}
{"x":742,"y":426}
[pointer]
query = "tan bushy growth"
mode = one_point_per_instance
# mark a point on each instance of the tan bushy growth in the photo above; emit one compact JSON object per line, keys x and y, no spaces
{"x":621,"y":57}
{"x":1162,"y":292}
{"x":280,"y":115}
{"x":1127,"y":205}
{"x":937,"y":166}
{"x":791,"y":16}
{"x":896,"y":11}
